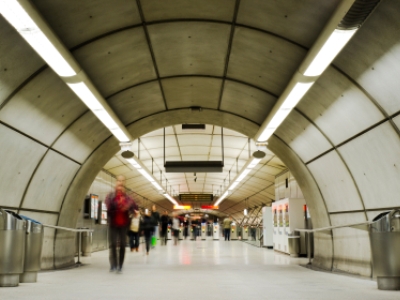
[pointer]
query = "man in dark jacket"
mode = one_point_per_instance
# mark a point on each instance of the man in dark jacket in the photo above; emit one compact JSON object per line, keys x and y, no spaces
{"x":164,"y":228}
{"x":119,"y":206}
{"x":147,"y":227}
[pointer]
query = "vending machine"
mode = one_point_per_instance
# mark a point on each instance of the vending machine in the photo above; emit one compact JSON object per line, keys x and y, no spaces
{"x":216,"y":232}
{"x":268,"y":230}
{"x":287,"y":215}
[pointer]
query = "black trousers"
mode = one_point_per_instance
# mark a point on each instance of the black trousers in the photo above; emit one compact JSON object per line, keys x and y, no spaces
{"x":133,"y":239}
{"x":164,"y":235}
{"x":117,"y":241}
{"x":227,"y":234}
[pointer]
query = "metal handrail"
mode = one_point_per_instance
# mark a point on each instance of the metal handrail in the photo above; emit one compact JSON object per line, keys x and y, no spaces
{"x":334,"y":227}
{"x":73,"y":230}
{"x":361,"y":226}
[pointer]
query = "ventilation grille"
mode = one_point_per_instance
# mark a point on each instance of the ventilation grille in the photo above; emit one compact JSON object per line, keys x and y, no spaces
{"x":357,"y":14}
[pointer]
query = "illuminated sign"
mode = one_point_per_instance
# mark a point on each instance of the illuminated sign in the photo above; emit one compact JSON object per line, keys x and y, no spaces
{"x":209,"y":207}
{"x":182,"y":207}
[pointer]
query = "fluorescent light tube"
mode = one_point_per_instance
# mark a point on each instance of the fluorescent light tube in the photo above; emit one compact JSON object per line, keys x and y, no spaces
{"x":243,"y":175}
{"x":158,"y":187}
{"x":119,"y":134}
{"x":146,"y":175}
{"x":254,"y":163}
{"x":86,"y":95}
{"x":16,"y":15}
{"x":133,"y":163}
{"x":296,"y":94}
{"x":335,"y":43}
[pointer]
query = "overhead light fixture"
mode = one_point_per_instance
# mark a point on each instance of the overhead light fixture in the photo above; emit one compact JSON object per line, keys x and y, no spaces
{"x":186,"y":207}
{"x":25,"y":18}
{"x":251,"y":163}
{"x":344,"y":23}
{"x":245,"y":212}
{"x":128,"y":155}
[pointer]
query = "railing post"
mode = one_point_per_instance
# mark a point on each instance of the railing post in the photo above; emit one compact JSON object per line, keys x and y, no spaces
{"x":79,"y":249}
{"x":308,"y":235}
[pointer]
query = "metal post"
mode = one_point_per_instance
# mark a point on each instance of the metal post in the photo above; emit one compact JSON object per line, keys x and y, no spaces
{"x":79,"y":249}
{"x":308,"y":247}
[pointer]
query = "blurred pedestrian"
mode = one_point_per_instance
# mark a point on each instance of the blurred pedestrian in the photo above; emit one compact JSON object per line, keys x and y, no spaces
{"x":147,"y":228}
{"x":175,"y":228}
{"x":227,"y":228}
{"x":185,"y":227}
{"x":119,"y":207}
{"x":155,"y":215}
{"x":164,"y":228}
{"x":134,"y":232}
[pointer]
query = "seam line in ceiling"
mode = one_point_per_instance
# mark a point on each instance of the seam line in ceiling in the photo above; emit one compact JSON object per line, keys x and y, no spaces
{"x":153,"y":58}
{"x":228,"y":52}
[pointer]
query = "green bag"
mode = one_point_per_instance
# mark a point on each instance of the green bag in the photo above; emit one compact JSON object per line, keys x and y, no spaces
{"x":153,"y":241}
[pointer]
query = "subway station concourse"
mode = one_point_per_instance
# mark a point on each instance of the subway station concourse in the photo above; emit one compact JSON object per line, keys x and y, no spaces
{"x":282,"y":115}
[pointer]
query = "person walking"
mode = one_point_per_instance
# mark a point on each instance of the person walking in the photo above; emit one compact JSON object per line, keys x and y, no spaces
{"x":227,"y":228}
{"x":119,"y":206}
{"x":147,"y":227}
{"x":175,"y":229}
{"x":134,"y":232}
{"x":164,"y":228}
{"x":155,"y":216}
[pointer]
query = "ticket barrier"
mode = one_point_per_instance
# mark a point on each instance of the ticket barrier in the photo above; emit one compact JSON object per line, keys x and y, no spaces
{"x":203,"y":231}
{"x":180,"y":237}
{"x":216,"y":231}
{"x":245,"y":233}
{"x":169,"y":233}
{"x":234,"y":235}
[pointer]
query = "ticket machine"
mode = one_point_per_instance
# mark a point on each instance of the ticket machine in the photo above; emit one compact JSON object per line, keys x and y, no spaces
{"x":234,"y":235}
{"x":203,"y":231}
{"x":216,"y":231}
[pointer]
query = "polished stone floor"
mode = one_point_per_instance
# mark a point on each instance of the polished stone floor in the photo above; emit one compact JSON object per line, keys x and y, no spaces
{"x":198,"y":270}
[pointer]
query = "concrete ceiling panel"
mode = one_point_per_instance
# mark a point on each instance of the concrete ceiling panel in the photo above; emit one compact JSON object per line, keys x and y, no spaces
{"x":155,"y":10}
{"x":351,"y":244}
{"x":194,"y":140}
{"x":190,"y":91}
{"x":246,"y":101}
{"x":76,"y":21}
{"x":304,"y":138}
{"x":254,"y":54}
{"x":49,"y":184}
{"x":373,"y":159}
{"x":112,"y":163}
{"x":138,"y":102}
{"x":297,"y":21}
{"x":230,"y":142}
{"x":155,"y":142}
{"x":20,"y":156}
{"x":21,"y":60}
{"x":195,"y":150}
{"x":82,"y":137}
{"x":122,"y":170}
{"x":169,"y":130}
{"x":117,"y":61}
{"x":43,"y":108}
{"x":338,"y":107}
{"x":190,"y":47}
{"x":372,"y":57}
{"x":336,"y":185}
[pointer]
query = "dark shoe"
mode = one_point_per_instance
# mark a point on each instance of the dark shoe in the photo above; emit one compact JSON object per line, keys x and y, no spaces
{"x":119,"y":271}
{"x":113,"y":269}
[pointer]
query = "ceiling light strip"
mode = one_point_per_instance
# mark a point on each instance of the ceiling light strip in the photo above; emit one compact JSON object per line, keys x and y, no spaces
{"x":328,"y":45}
{"x":28,"y":22}
{"x":250,"y":164}
{"x":146,"y":174}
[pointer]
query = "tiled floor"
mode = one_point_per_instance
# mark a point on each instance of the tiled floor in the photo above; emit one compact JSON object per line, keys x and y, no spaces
{"x":198,"y":270}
